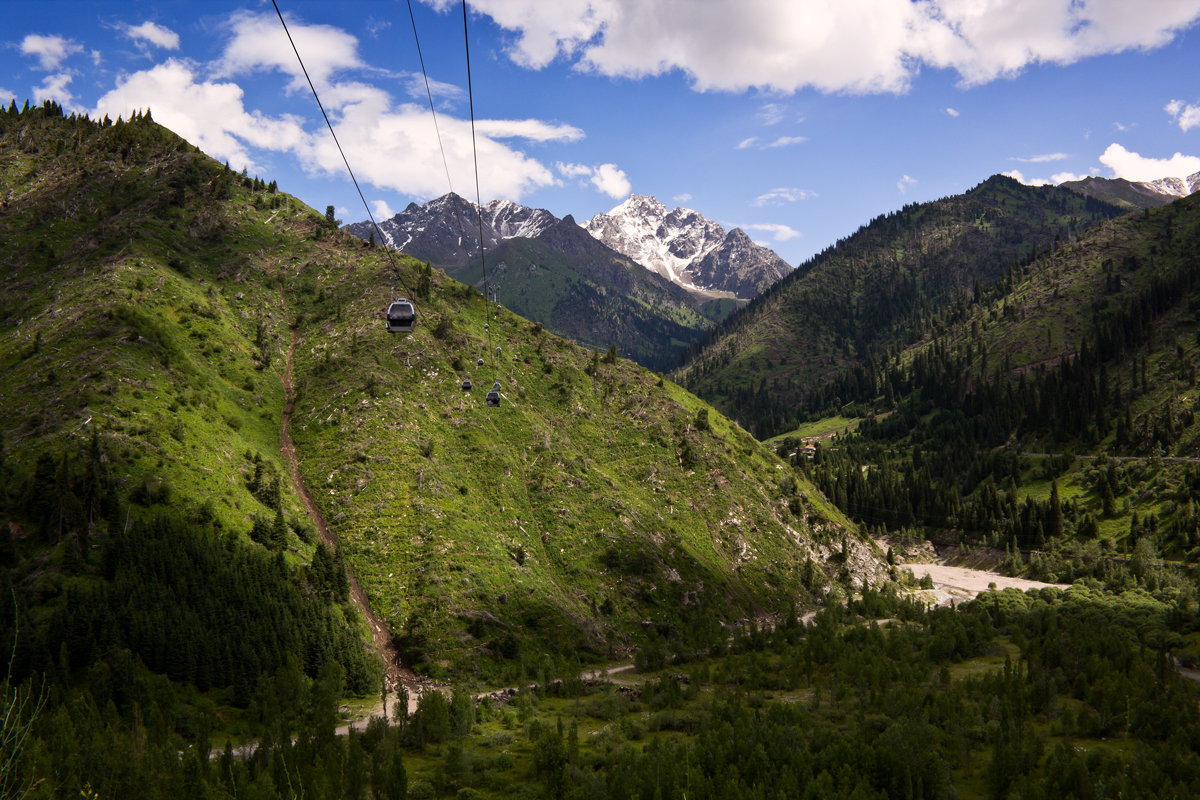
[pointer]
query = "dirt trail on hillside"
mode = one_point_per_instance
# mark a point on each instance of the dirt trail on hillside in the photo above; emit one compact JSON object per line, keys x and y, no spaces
{"x":380,"y":634}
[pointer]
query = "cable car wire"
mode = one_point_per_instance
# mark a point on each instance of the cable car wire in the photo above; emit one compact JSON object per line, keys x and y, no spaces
{"x":478,"y":195}
{"x":320,"y":105}
{"x":436,"y":128}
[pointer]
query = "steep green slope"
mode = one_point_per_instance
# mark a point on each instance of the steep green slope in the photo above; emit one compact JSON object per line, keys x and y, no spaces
{"x":875,"y":293}
{"x":595,"y":501}
{"x":153,"y":297}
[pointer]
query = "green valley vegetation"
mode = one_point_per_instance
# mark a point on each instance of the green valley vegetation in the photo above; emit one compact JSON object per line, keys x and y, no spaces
{"x":159,"y":558}
{"x":1043,"y":694}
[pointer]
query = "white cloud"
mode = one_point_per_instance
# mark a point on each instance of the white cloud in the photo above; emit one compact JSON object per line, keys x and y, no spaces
{"x":1121,"y":127}
{"x":1055,"y":179}
{"x":533,"y":129}
{"x":606,"y":177}
{"x":258,"y":43}
{"x":682,"y":198}
{"x":904,"y":183}
{"x":54,"y":87}
{"x":771,"y":113}
{"x":784,"y":141}
{"x":342,"y":212}
{"x":50,"y":51}
{"x":952,"y":112}
{"x":1041,"y":159}
{"x":151,"y":33}
{"x":1187,"y":116}
{"x":612,"y":181}
{"x":1134,"y":167}
{"x":781,"y":232}
{"x":573,"y":170}
{"x":382,"y":210}
{"x":394,"y":147}
{"x":207,"y":114}
{"x":744,"y":143}
{"x":777,"y":197}
{"x":1019,"y":178}
{"x":96,"y":58}
{"x":6,"y":97}
{"x":859,"y":46}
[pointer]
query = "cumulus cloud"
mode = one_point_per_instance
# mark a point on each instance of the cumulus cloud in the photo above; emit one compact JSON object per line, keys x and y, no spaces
{"x":1187,"y":116}
{"x":54,"y":87}
{"x":258,"y":42}
{"x":605,"y":178}
{"x":612,"y":181}
{"x":952,"y":112}
{"x":777,"y":197}
{"x":859,"y":46}
{"x":1020,"y":178}
{"x":6,"y":96}
{"x":573,"y":170}
{"x":682,"y":198}
{"x":382,"y":210}
{"x":781,"y":233}
{"x":1063,"y":177}
{"x":149,"y":33}
{"x":50,"y":51}
{"x":904,"y":183}
{"x":1040,"y":159}
{"x":206,"y":113}
{"x":1134,"y":167}
{"x":392,"y":146}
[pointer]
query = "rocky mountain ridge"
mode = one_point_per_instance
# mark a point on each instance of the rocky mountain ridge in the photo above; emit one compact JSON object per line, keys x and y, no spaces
{"x":1136,"y":194}
{"x":681,"y":245}
{"x":687,"y":248}
{"x":445,"y":231}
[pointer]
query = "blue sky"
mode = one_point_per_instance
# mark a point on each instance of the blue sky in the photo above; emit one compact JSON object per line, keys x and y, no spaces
{"x":797,"y":121}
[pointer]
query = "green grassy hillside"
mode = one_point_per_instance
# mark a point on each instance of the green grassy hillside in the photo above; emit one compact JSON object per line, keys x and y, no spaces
{"x":151,"y":300}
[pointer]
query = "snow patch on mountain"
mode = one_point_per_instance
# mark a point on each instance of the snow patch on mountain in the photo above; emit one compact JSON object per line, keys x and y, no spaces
{"x":687,"y":248}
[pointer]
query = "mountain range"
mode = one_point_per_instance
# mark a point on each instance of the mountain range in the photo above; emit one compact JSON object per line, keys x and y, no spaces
{"x":681,"y":245}
{"x":647,"y":279}
{"x":1136,"y":194}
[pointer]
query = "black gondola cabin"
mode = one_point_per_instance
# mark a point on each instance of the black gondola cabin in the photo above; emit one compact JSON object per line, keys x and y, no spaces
{"x":401,"y":316}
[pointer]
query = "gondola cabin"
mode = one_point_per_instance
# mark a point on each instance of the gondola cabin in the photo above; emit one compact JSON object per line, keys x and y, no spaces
{"x":493,"y":398}
{"x":466,"y":385}
{"x":401,"y":316}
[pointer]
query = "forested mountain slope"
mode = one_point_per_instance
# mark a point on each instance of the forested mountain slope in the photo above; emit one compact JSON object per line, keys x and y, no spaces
{"x":874,"y":294}
{"x":583,"y":290}
{"x":152,"y":298}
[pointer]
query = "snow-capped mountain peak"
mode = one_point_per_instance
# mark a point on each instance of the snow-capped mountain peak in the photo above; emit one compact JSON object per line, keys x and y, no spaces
{"x":676,"y":243}
{"x":445,"y":231}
